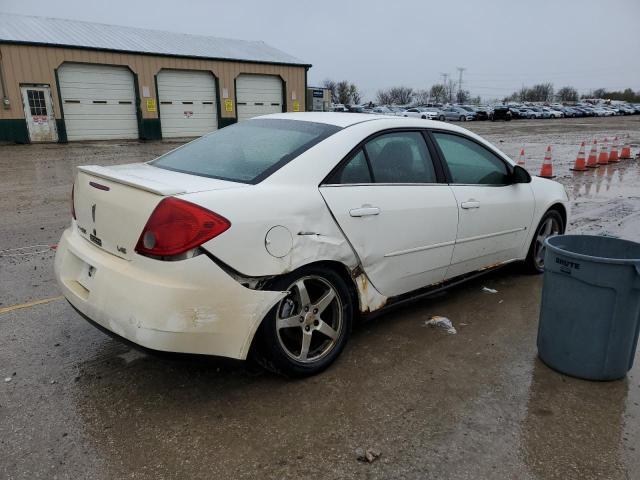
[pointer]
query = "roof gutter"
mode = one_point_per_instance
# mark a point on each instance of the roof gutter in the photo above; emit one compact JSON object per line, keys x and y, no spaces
{"x":3,"y":87}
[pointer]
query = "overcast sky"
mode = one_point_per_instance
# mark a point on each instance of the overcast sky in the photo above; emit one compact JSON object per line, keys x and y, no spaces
{"x":503,"y":44}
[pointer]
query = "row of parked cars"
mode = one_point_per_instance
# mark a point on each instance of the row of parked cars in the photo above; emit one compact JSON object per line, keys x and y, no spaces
{"x":507,"y":112}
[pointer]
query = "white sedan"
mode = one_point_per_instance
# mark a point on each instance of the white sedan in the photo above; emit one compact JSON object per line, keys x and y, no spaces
{"x":270,"y":236}
{"x":421,"y":112}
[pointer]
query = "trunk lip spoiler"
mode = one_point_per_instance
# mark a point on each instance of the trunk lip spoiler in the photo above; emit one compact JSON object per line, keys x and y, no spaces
{"x":132,"y":180}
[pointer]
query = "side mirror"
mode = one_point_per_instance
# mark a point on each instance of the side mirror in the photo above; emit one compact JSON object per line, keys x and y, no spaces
{"x":520,"y":175}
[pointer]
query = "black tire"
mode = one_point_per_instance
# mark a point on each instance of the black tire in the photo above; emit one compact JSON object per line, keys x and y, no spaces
{"x":424,"y":117}
{"x":269,"y":349}
{"x":463,"y":118}
{"x":441,"y":118}
{"x":531,"y":265}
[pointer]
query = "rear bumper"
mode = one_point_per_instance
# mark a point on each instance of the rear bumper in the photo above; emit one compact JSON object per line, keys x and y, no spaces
{"x":189,"y":306}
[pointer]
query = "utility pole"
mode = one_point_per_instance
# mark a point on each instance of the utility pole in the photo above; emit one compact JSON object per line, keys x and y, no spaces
{"x":447,"y":92}
{"x":460,"y":70}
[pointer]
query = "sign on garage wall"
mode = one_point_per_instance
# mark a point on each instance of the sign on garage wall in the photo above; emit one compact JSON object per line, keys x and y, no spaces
{"x":151,"y":104}
{"x":228,"y":105}
{"x":296,"y":106}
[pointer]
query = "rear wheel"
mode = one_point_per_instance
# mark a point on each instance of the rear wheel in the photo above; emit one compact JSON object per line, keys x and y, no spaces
{"x":463,"y":118}
{"x":308,"y":329}
{"x":441,"y":118}
{"x":550,"y":225}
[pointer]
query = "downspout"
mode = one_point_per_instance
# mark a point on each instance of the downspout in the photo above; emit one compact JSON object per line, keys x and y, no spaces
{"x":3,"y":88}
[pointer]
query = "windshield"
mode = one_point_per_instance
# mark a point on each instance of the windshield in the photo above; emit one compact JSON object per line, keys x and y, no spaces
{"x":246,"y":152}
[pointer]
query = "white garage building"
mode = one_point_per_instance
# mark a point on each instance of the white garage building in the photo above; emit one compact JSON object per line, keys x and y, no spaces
{"x":64,"y":80}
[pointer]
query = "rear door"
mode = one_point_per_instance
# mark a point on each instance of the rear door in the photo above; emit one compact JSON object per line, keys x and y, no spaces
{"x":495,"y":214}
{"x":401,"y":220}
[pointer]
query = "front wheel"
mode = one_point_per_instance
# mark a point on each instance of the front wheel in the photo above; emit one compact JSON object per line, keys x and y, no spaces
{"x":441,"y":118}
{"x":463,"y":118}
{"x":308,"y":329}
{"x":550,"y":225}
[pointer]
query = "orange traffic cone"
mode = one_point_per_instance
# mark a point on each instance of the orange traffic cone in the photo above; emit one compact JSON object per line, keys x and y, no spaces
{"x":625,"y":153}
{"x":613,"y":155}
{"x":521,"y":159}
{"x":592,"y":161}
{"x":580,"y":165}
{"x":603,"y":158}
{"x":547,"y":165}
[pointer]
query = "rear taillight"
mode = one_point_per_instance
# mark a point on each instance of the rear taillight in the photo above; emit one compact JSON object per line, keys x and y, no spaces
{"x":73,"y":206}
{"x":177,"y":226}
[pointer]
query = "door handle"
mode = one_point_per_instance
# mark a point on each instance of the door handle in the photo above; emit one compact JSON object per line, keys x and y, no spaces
{"x":364,"y":211}
{"x":470,"y":204}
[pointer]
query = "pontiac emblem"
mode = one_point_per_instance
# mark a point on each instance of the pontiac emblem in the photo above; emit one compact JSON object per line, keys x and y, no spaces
{"x":93,"y":212}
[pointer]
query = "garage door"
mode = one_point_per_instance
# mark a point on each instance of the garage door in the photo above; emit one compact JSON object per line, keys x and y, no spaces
{"x":258,"y":95}
{"x":99,"y":102}
{"x":188,"y":106}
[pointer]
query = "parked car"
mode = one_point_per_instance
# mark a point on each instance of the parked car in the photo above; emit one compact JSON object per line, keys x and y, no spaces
{"x":501,"y":112}
{"x":603,"y":112}
{"x":383,"y":110}
{"x":529,"y":113}
{"x":456,"y":113}
{"x":202,"y":250}
{"x":625,"y":109}
{"x":481,"y":113}
{"x":426,"y":113}
{"x":338,"y":107}
{"x":540,"y":112}
{"x":553,"y":113}
{"x":517,"y":112}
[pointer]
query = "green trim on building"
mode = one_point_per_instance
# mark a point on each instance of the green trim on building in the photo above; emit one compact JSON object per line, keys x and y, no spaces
{"x":14,"y":130}
{"x":226,"y":121}
{"x":62,"y":130}
{"x":150,"y":129}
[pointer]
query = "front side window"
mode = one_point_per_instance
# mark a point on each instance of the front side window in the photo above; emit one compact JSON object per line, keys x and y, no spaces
{"x":400,"y":157}
{"x":246,"y":152}
{"x":470,"y":163}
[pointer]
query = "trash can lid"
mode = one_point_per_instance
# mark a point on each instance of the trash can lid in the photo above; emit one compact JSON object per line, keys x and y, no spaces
{"x":596,"y":248}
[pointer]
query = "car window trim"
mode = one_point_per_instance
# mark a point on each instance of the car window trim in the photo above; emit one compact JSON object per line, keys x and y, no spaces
{"x":440,"y":175}
{"x":445,"y":167}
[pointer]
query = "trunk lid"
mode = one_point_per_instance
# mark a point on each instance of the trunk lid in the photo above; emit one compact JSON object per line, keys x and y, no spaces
{"x":113,"y":204}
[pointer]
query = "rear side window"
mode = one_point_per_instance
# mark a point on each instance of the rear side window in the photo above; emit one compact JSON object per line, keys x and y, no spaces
{"x":246,"y":152}
{"x":400,"y":157}
{"x":355,"y":170}
{"x":469,"y":163}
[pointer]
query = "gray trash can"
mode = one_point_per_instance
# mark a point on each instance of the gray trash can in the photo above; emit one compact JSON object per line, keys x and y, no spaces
{"x":590,"y":312}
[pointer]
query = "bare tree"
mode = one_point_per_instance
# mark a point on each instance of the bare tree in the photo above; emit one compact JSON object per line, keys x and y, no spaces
{"x":331,"y":86}
{"x":438,"y":93}
{"x":422,"y":97}
{"x":599,"y":93}
{"x":354,"y":94}
{"x":567,"y":94}
{"x":342,"y":92}
{"x":401,"y":95}
{"x":383,"y":97}
{"x":463,"y":96}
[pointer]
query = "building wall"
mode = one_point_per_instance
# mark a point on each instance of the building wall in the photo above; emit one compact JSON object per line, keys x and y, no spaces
{"x":26,"y":64}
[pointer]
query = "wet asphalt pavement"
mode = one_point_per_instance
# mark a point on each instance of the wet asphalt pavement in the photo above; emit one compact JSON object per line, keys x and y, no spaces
{"x":473,"y":405}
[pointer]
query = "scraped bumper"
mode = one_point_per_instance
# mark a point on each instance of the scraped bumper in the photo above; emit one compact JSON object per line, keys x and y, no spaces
{"x":189,"y":306}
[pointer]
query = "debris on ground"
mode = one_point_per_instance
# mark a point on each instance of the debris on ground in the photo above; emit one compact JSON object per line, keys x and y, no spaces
{"x":441,"y":322}
{"x":7,"y":379}
{"x":369,"y":455}
{"x":489,"y":290}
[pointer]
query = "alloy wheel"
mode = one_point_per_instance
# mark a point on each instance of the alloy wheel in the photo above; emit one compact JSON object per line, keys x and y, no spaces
{"x":549,"y":228}
{"x":309,"y":320}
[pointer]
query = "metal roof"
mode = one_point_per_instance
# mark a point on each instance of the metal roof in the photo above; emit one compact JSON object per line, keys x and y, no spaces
{"x":75,"y":33}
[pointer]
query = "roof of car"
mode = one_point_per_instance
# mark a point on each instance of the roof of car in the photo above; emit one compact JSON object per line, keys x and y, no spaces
{"x":344,"y":120}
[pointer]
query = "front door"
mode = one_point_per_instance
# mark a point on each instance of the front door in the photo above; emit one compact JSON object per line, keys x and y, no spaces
{"x":494,"y":213}
{"x":399,"y":219}
{"x":38,"y":112}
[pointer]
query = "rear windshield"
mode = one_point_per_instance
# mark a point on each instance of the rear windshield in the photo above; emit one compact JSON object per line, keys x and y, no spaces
{"x":246,"y":152}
